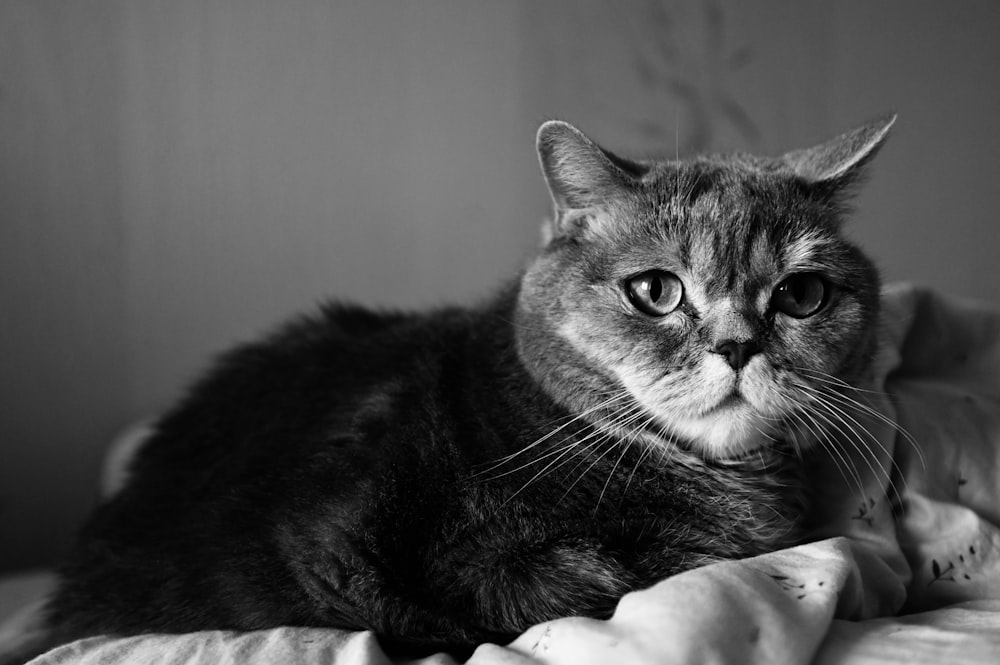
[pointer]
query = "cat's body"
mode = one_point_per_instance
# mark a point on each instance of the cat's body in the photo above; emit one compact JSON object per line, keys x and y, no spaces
{"x":379,"y":501}
{"x":630,"y":407}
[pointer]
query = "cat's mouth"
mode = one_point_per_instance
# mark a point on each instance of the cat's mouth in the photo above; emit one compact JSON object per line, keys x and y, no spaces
{"x":731,"y":401}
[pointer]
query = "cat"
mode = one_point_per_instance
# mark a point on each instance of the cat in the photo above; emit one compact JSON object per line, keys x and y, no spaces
{"x":634,"y":404}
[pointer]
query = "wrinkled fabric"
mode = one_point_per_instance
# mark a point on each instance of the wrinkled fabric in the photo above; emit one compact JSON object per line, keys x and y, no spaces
{"x":903,"y":567}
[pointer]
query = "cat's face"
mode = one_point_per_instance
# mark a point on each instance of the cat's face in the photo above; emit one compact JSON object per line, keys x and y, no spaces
{"x":703,"y":302}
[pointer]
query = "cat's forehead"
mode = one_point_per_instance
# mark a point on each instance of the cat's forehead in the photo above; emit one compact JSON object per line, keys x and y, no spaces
{"x":734,"y":226}
{"x":737,"y":198}
{"x":720,"y":185}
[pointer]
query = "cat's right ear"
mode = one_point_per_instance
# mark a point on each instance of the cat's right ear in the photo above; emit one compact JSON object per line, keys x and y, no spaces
{"x":841,"y":161}
{"x":581,"y":177}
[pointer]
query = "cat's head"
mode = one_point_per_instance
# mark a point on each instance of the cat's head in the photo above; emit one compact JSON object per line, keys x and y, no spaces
{"x":706,"y":301}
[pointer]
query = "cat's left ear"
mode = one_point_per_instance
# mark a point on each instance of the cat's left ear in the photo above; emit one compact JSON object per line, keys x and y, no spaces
{"x":840,"y":161}
{"x":582,"y":177}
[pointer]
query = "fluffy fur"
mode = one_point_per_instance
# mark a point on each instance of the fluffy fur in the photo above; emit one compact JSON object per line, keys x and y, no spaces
{"x":452,"y":477}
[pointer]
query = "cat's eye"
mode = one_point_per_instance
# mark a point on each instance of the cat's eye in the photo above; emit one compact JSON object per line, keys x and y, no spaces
{"x":655,"y":292}
{"x":800,"y":295}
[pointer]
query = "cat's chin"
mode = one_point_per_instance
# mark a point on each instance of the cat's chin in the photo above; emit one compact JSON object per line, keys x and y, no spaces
{"x":729,"y":432}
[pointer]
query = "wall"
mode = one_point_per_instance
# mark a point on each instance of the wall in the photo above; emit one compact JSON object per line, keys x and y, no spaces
{"x":176,"y":176}
{"x":63,"y":333}
{"x":273,"y":156}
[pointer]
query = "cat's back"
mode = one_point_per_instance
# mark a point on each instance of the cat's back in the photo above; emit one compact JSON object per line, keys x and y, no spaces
{"x":336,"y":398}
{"x":279,"y":453}
{"x":309,"y":378}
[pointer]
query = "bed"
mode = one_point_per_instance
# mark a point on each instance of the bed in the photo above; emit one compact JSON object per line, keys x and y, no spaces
{"x":902,"y":567}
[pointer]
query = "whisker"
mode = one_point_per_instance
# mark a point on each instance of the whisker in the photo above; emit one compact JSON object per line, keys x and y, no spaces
{"x":857,"y":433}
{"x":559,"y":450}
{"x":628,"y":420}
{"x":846,"y":402}
{"x":818,"y":375}
{"x":667,"y":438}
{"x":621,"y":417}
{"x":870,"y":408}
{"x":841,"y":459}
{"x":878,"y":415}
{"x":554,"y":464}
{"x":642,"y":457}
{"x":587,"y":470}
{"x":632,"y":414}
{"x":808,"y":416}
{"x":571,"y":419}
{"x":611,"y":474}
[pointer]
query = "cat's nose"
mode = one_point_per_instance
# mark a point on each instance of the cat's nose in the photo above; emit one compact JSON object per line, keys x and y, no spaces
{"x":737,"y":354}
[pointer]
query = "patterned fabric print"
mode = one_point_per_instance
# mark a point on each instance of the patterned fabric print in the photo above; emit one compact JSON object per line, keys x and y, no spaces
{"x":949,"y":392}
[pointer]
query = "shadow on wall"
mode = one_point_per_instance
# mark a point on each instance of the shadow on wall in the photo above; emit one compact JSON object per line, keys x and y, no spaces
{"x":178,"y":176}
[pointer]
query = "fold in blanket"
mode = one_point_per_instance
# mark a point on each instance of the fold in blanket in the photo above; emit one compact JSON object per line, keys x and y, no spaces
{"x":909,"y":525}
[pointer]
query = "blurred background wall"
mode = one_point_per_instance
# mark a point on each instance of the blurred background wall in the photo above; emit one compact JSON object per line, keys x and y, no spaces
{"x":178,"y":175}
